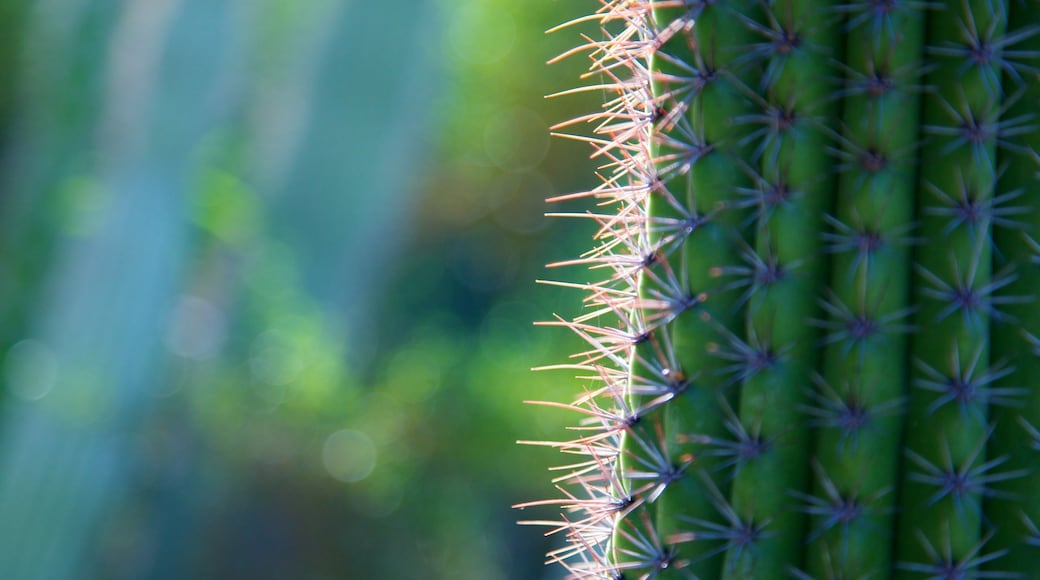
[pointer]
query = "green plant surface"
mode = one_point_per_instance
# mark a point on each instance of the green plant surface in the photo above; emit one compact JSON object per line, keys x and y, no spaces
{"x":1015,"y":435}
{"x":863,"y":381}
{"x":813,"y":348}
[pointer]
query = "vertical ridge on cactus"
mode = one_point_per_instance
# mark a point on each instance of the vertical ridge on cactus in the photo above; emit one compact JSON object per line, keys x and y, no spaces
{"x":813,"y":350}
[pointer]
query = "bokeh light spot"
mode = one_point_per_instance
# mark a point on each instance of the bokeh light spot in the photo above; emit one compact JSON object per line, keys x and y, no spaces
{"x":414,"y":374}
{"x":226,"y":207}
{"x":349,"y":455}
{"x":197,"y":329}
{"x":275,"y":359}
{"x":30,"y":369}
{"x":481,"y":33}
{"x":81,"y":203}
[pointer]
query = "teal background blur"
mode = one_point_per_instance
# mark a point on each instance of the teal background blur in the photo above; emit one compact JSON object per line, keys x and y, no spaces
{"x":267,"y":286}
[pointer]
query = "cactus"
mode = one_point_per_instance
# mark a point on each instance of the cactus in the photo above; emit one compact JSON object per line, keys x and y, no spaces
{"x":814,"y":339}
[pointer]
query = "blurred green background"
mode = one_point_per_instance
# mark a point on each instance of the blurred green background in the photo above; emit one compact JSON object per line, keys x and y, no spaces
{"x":267,"y":284}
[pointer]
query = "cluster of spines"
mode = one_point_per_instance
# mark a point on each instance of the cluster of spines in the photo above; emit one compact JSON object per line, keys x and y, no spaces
{"x":813,"y":350}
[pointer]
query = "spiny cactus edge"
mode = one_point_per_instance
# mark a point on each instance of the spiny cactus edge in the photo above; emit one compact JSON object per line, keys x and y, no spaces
{"x":814,"y":350}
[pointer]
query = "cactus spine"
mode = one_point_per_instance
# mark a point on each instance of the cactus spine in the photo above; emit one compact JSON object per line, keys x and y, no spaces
{"x":815,"y":350}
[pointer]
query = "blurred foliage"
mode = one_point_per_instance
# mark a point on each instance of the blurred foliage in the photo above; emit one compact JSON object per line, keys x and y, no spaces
{"x":327,"y":381}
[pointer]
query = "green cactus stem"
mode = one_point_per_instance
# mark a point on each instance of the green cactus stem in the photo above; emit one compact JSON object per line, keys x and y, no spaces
{"x":815,"y":351}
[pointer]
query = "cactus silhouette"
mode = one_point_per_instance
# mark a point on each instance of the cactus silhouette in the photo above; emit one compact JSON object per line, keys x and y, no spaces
{"x":814,"y":342}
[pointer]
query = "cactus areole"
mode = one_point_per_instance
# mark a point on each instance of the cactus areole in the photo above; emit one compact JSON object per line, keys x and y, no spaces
{"x":814,"y":339}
